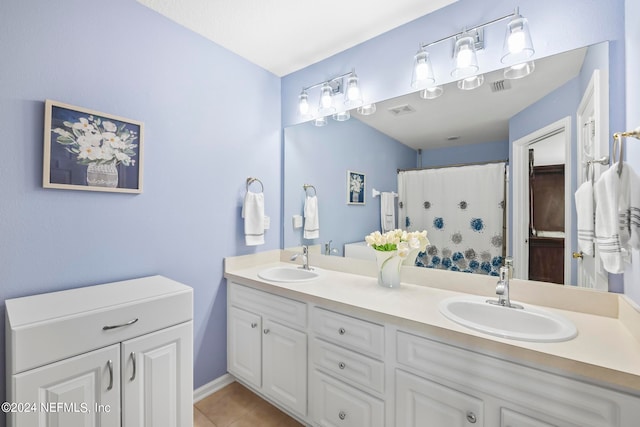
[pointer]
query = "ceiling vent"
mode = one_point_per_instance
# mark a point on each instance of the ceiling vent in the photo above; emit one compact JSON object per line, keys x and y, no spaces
{"x":500,"y":85}
{"x":402,"y":109}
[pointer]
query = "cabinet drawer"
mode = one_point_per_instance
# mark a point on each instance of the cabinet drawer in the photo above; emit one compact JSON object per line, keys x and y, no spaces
{"x":348,"y":331}
{"x":348,"y":365}
{"x":337,"y":404}
{"x":292,"y":313}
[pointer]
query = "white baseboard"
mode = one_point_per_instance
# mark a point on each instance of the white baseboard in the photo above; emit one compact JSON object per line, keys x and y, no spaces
{"x":211,"y":387}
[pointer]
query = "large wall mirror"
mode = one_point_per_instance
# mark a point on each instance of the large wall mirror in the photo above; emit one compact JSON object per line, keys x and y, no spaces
{"x":459,"y":127}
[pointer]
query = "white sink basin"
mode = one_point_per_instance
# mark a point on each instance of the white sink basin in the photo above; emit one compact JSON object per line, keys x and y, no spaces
{"x":288,"y":274}
{"x":528,"y":324}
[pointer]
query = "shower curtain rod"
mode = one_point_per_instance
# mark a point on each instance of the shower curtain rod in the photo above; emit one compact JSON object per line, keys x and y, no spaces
{"x":506,"y":162}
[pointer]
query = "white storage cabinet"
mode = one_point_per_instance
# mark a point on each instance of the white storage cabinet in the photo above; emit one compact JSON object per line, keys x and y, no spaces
{"x":118,"y":354}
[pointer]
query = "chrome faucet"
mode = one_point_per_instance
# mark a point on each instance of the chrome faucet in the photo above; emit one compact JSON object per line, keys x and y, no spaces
{"x":305,"y":258}
{"x":502,"y":287}
{"x":328,"y":250}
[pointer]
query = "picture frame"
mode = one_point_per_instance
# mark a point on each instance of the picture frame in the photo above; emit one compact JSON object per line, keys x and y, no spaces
{"x":90,"y":150}
{"x":356,"y":185}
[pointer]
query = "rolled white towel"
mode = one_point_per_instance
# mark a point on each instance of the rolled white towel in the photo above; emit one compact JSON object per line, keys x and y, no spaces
{"x":253,"y":214}
{"x":311,"y":220}
{"x":387,"y":211}
{"x":586,"y":220}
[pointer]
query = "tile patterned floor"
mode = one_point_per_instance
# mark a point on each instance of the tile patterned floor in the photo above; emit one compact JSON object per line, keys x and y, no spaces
{"x":237,"y":406}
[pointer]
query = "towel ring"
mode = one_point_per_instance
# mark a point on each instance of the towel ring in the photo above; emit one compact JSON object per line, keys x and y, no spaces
{"x":307,"y":186}
{"x":251,"y":180}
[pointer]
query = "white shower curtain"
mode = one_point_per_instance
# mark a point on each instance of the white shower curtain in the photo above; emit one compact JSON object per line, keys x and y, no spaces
{"x":462,"y":209}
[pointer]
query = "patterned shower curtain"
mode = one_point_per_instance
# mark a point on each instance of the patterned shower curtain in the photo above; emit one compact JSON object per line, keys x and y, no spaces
{"x":462,"y":209}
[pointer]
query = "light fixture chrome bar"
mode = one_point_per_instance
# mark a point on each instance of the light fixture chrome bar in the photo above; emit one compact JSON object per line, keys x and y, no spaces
{"x":471,"y":29}
{"x":340,"y":77}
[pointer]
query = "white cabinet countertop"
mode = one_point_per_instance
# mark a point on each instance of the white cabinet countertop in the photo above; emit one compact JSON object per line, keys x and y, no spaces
{"x":606,"y":350}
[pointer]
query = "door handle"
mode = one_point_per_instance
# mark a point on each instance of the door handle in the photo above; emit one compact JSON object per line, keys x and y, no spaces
{"x":577,"y":255}
{"x":133,"y":360}
{"x":110,"y":366}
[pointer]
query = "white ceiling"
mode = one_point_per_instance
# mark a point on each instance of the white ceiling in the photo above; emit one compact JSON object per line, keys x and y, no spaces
{"x":284,"y":36}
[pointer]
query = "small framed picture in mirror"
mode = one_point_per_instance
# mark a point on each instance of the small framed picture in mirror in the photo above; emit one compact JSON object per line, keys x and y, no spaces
{"x":355,"y":188}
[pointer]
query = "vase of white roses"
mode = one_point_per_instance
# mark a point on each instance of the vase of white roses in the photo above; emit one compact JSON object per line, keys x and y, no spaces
{"x":99,"y":144}
{"x":394,"y":248}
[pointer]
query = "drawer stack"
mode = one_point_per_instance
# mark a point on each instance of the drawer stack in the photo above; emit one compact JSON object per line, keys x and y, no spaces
{"x":347,"y":379}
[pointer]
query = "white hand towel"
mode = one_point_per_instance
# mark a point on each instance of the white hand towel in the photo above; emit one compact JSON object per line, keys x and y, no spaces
{"x":634,"y":209}
{"x":387,"y":212}
{"x":253,"y":214}
{"x":612,"y":196}
{"x":586,"y":223}
{"x":311,"y":220}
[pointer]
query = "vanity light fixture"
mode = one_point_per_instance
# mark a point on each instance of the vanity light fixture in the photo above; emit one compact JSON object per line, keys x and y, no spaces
{"x":346,"y":84}
{"x":517,"y":53}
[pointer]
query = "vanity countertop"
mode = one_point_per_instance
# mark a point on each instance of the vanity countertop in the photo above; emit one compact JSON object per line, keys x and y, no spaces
{"x":606,"y":350}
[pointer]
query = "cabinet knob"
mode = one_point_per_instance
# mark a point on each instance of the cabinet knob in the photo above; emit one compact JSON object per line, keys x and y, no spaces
{"x":341,"y":365}
{"x":266,"y":331}
{"x":342,"y":331}
{"x":342,"y":415}
{"x":471,"y":417}
{"x":254,"y":325}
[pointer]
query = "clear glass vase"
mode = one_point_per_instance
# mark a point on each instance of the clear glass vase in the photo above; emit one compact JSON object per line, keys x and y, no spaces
{"x":389,"y":265}
{"x":102,"y":175}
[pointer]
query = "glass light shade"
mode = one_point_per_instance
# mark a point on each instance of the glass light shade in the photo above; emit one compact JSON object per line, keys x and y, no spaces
{"x":464,"y":57}
{"x":431,"y":92}
{"x":320,"y":121}
{"x":303,"y":103}
{"x":367,"y":110}
{"x":422,"y":70}
{"x":519,"y":71}
{"x":342,"y":116}
{"x":352,"y":93}
{"x":471,"y":83}
{"x":326,"y":100}
{"x":517,"y":46}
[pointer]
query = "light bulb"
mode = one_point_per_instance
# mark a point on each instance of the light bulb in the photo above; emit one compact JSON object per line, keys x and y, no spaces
{"x":422,"y":71}
{"x":353,"y":92}
{"x":325,"y":98}
{"x":516,"y":41}
{"x":303,"y":104}
{"x":463,"y":60}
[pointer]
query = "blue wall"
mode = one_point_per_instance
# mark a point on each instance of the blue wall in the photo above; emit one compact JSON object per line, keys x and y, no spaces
{"x":485,"y":152}
{"x":310,"y":157}
{"x":202,"y":140}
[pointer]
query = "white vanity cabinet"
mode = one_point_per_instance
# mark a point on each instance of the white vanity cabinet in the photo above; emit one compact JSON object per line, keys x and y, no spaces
{"x":118,"y":354}
{"x":267,"y":345}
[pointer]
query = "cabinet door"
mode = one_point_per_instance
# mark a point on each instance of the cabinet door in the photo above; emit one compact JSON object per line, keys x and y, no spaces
{"x":82,"y":391}
{"x":420,"y":402}
{"x":285,"y":366}
{"x":157,"y":378}
{"x":244,"y":346}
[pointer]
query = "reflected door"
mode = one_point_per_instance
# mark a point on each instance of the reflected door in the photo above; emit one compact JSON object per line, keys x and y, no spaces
{"x":593,"y":130}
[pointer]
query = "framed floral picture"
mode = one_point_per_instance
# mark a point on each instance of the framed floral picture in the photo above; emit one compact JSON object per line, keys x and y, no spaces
{"x":355,"y":188}
{"x":89,"y":150}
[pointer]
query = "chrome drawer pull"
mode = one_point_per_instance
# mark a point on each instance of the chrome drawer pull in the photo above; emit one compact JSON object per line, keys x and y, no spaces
{"x":266,"y":331}
{"x":342,"y":415}
{"x":254,"y":325}
{"x":342,"y":331}
{"x":110,"y":366}
{"x":471,"y":417}
{"x":133,"y":360}
{"x":130,"y":322}
{"x":341,"y":365}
